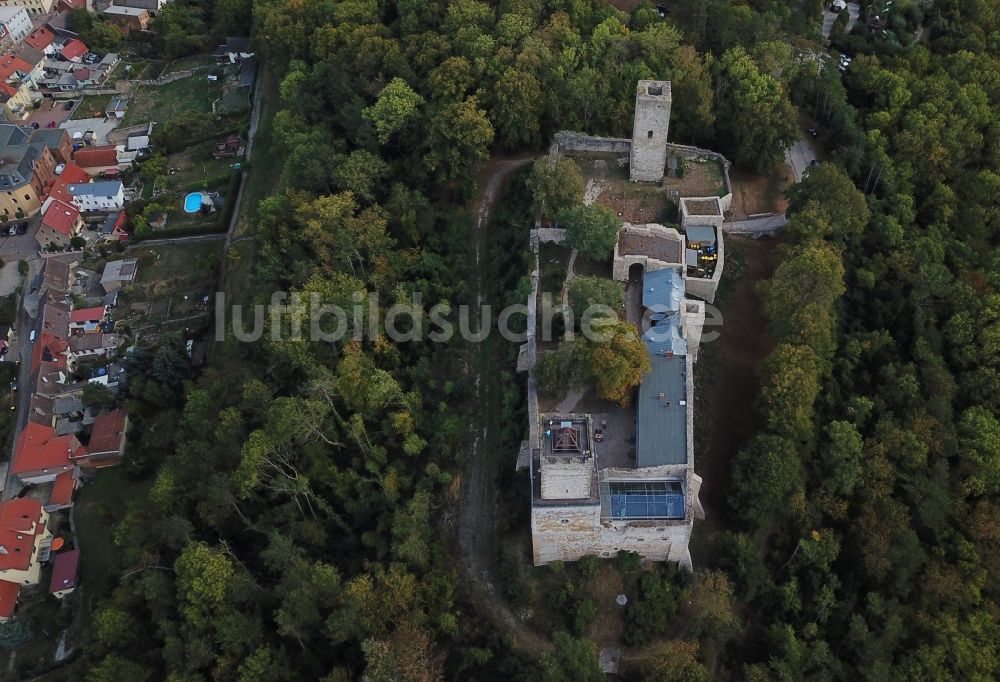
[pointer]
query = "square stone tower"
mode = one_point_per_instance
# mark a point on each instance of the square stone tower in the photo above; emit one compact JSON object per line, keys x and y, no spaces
{"x":649,"y":131}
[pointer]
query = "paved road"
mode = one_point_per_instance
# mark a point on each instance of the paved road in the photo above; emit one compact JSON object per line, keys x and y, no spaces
{"x":24,"y":325}
{"x":757,"y":226}
{"x":801,"y":154}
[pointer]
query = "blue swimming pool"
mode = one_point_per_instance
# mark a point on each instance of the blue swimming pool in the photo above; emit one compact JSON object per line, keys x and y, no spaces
{"x":193,"y":202}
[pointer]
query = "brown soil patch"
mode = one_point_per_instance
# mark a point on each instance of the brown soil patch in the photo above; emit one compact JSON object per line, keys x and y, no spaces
{"x":701,"y":179}
{"x":637,"y":204}
{"x":753,"y":194}
{"x":727,"y":374}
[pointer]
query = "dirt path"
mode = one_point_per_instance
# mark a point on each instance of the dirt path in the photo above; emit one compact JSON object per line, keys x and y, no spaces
{"x":477,"y":539}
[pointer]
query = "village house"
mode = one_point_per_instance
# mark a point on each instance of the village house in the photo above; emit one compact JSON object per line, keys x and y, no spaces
{"x":86,"y":320}
{"x":97,"y":160}
{"x":35,"y":8}
{"x":107,"y":195}
{"x":65,"y":572}
{"x":128,"y":19}
{"x":107,"y":439}
{"x":61,"y":222}
{"x":25,"y":543}
{"x":119,"y":273}
{"x":15,"y":22}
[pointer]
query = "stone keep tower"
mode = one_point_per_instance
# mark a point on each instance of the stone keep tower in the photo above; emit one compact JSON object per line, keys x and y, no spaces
{"x":649,"y":131}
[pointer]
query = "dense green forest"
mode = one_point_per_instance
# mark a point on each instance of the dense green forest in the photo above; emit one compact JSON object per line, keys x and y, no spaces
{"x":300,"y":521}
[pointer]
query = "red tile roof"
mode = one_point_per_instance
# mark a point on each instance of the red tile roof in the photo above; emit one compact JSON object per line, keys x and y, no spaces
{"x":41,"y":38}
{"x":61,"y":217}
{"x":62,"y":490}
{"x":9,"y":64}
{"x":108,"y":434}
{"x":8,"y":597}
{"x":64,"y":571}
{"x":39,"y":448}
{"x":73,"y":174}
{"x":20,"y":522}
{"x":87,"y":314}
{"x":73,"y":49}
{"x":96,"y":157}
{"x":50,"y":349}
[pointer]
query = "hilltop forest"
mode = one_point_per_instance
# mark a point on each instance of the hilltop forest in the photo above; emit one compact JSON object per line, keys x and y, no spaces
{"x":300,"y":520}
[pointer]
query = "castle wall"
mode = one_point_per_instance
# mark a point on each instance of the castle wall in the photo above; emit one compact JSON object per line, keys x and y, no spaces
{"x":572,"y":532}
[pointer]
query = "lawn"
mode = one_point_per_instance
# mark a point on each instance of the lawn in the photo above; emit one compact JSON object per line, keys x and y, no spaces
{"x":163,"y":102}
{"x":91,"y":105}
{"x":196,"y":164}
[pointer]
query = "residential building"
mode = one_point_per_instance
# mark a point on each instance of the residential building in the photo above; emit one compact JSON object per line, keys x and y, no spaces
{"x":15,"y":22}
{"x":25,"y":543}
{"x":107,"y":439}
{"x":119,"y":273}
{"x":57,"y":141}
{"x":40,"y":455}
{"x":128,"y":18}
{"x":97,"y":160}
{"x":108,"y":195}
{"x":73,"y":50}
{"x":113,"y":228}
{"x":25,"y":170}
{"x":65,"y":571}
{"x":234,"y":50}
{"x":94,"y":345}
{"x":86,"y":320}
{"x":35,"y":7}
{"x":60,"y":223}
{"x":17,"y":87}
{"x":42,"y":39}
{"x":61,"y":494}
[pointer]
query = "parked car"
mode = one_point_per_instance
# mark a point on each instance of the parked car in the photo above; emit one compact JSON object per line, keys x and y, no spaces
{"x":35,"y":125}
{"x":52,"y":124}
{"x":68,"y":106}
{"x":31,"y":337}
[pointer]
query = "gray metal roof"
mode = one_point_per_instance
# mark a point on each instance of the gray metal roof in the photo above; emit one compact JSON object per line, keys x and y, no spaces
{"x":703,"y":234}
{"x":662,"y":290}
{"x":108,"y":188}
{"x":661,"y":422}
{"x":665,"y":337}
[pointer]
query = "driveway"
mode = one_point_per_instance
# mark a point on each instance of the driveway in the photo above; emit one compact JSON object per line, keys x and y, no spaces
{"x":800,"y":155}
{"x":50,"y":110}
{"x":10,"y":278}
{"x":853,"y":11}
{"x":20,"y":246}
{"x":100,"y":126}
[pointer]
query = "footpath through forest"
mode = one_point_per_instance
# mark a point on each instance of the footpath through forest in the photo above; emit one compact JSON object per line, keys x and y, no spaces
{"x":477,"y":536}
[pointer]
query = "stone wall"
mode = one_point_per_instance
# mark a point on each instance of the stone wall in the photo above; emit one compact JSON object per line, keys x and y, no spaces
{"x":621,"y":263}
{"x":572,"y":532}
{"x":569,"y":142}
{"x":688,"y":152}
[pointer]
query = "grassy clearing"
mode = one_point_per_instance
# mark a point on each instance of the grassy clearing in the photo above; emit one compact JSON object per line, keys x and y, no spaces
{"x":164,"y":102}
{"x":175,"y":270}
{"x":196,"y":164}
{"x":92,"y":106}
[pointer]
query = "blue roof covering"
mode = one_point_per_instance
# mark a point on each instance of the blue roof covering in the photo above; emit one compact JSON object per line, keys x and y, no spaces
{"x":646,"y":499}
{"x":663,"y":290}
{"x":665,"y":337}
